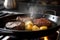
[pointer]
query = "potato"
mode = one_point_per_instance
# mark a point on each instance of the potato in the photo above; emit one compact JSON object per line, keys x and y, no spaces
{"x":28,"y":23}
{"x":35,"y":28}
{"x":29,"y":27}
{"x":43,"y":27}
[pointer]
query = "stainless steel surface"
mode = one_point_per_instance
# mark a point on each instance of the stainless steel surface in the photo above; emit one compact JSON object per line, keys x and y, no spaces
{"x":6,"y":38}
{"x":9,"y":4}
{"x":11,"y":12}
{"x":7,"y":13}
{"x":58,"y":37}
{"x":53,"y":18}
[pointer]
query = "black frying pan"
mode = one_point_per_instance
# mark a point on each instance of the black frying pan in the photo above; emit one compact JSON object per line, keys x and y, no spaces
{"x":26,"y":33}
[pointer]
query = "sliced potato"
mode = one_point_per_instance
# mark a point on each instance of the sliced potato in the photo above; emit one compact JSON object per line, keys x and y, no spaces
{"x":35,"y":28}
{"x":43,"y":27}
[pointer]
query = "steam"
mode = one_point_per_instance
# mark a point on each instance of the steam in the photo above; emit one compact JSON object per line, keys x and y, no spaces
{"x":33,"y":10}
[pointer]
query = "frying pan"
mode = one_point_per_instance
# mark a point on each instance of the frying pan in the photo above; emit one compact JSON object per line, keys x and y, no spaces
{"x":26,"y":33}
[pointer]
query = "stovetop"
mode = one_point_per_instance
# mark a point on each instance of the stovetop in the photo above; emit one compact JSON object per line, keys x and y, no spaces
{"x":10,"y":37}
{"x":50,"y":37}
{"x":22,"y":8}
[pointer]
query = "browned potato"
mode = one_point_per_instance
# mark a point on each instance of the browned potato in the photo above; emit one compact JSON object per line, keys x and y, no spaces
{"x":28,"y":25}
{"x":43,"y":27}
{"x":35,"y":28}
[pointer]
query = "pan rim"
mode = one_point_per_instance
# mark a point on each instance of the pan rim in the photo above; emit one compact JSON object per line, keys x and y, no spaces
{"x":28,"y":30}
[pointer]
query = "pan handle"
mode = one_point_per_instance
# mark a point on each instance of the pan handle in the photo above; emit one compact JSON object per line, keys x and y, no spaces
{"x":50,"y":11}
